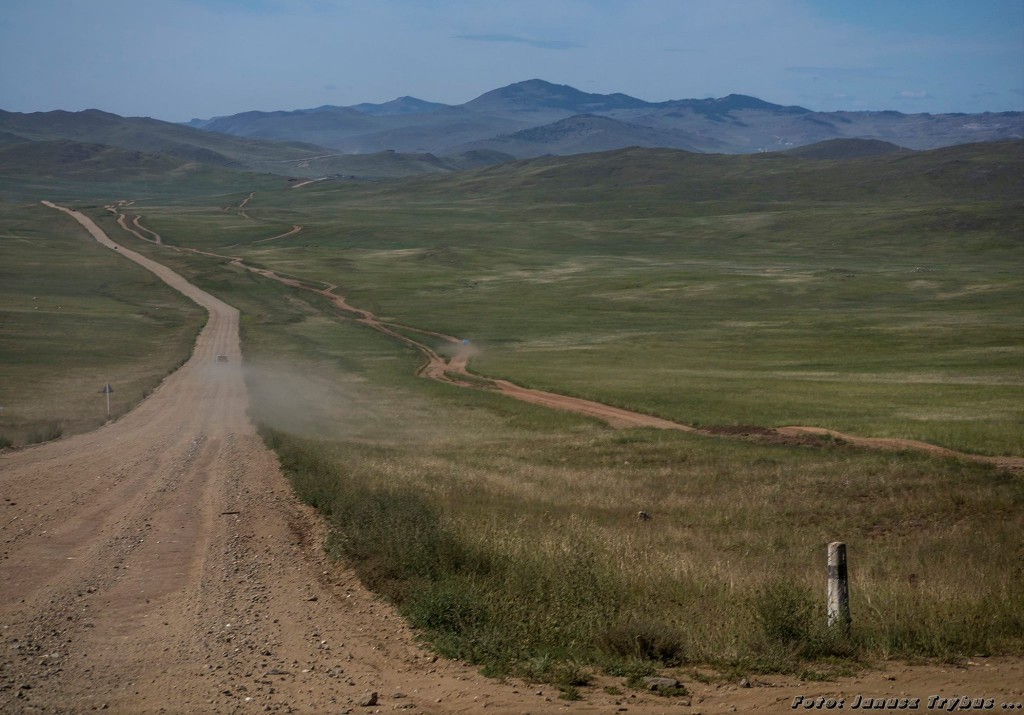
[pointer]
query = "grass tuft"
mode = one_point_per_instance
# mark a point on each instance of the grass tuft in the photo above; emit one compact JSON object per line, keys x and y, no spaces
{"x":46,"y":433}
{"x":649,"y":641}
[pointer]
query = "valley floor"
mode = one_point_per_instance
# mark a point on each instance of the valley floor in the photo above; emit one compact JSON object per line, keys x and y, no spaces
{"x":162,"y":564}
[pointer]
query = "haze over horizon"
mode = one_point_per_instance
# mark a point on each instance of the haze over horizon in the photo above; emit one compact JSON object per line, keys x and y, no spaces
{"x":179,"y":59}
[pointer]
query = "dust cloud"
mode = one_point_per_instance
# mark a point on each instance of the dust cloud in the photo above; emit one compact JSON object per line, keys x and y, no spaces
{"x":458,"y":352}
{"x":323,"y":402}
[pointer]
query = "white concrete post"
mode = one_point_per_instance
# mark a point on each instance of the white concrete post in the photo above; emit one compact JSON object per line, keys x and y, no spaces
{"x":838,"y":588}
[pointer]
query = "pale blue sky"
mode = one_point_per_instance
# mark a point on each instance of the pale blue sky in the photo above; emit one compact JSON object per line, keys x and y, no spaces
{"x":177,"y":59}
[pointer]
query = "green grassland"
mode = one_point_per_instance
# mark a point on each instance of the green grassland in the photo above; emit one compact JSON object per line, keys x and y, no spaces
{"x":69,"y":171}
{"x":73,"y":317}
{"x":507,"y":533}
{"x":879,"y":296}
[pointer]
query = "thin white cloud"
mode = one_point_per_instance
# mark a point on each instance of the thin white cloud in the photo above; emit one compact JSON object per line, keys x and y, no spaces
{"x":543,"y":44}
{"x":841,"y":73}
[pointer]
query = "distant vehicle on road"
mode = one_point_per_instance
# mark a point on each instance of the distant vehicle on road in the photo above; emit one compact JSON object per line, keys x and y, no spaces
{"x":222,"y":358}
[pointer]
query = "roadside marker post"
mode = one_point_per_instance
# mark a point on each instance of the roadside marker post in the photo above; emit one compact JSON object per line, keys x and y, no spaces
{"x":107,"y":389}
{"x":838,"y":588}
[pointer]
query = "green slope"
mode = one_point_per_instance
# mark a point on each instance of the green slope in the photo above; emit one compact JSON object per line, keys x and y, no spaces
{"x":187,"y":144}
{"x":151,"y":136}
{"x":991,"y":170}
{"x":63,"y":158}
{"x":877,"y":296}
{"x":847,"y":149}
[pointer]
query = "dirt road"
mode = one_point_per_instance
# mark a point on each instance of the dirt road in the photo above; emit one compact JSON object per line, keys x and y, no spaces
{"x":161,"y":564}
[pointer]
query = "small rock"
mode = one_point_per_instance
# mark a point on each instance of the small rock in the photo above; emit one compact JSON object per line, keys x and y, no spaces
{"x":398,"y":695}
{"x":744,"y":683}
{"x":369,"y":700}
{"x":655,"y":684}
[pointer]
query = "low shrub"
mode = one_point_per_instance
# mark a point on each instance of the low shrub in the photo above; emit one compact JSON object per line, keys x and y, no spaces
{"x":793,"y":622}
{"x":46,"y":433}
{"x":644,"y":641}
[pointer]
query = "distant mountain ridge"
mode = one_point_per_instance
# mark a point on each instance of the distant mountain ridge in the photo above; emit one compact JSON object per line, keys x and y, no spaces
{"x":402,"y":105}
{"x":535,"y":94}
{"x":151,"y":136}
{"x":98,"y":144}
{"x":583,"y":134}
{"x":409,"y":136}
{"x":497,"y":120}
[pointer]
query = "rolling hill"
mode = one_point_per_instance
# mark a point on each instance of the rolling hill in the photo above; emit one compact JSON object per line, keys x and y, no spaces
{"x":846,"y":149}
{"x":582,"y":134}
{"x":68,"y":159}
{"x":990,"y":171}
{"x":151,"y":136}
{"x":62,"y":143}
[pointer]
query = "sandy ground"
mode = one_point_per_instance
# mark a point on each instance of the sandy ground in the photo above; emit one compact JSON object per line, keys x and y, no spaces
{"x":161,"y":564}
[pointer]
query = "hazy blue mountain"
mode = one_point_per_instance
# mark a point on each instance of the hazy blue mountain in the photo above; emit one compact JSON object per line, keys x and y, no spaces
{"x":523,"y":120}
{"x":320,"y":126}
{"x":581,"y":134}
{"x":537,"y":95}
{"x":402,"y":105}
{"x":728,"y":104}
{"x":735,"y":123}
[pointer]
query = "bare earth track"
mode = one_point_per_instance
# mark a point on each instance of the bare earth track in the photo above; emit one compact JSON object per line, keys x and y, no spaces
{"x":454,"y":370}
{"x":161,"y":564}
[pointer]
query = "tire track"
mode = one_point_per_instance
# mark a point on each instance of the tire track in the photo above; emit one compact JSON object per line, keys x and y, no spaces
{"x":454,"y":370}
